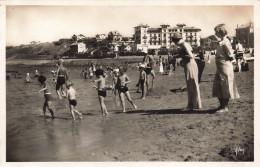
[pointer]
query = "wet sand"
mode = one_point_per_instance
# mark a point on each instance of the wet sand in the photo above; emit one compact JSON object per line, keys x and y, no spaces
{"x":158,"y":130}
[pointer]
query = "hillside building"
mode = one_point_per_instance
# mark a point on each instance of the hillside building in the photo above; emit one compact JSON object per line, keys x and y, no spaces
{"x":114,"y":36}
{"x":147,"y":38}
{"x":76,"y":48}
{"x":101,"y":37}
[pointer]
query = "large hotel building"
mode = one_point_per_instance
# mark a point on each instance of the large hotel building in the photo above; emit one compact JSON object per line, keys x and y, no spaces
{"x":147,"y":38}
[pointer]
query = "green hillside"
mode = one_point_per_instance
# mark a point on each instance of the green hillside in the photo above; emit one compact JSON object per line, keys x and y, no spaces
{"x":37,"y":51}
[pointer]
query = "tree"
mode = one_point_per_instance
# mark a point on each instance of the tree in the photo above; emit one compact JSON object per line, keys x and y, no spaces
{"x":74,"y":38}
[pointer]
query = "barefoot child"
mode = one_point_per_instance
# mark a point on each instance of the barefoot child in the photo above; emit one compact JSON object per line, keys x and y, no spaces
{"x":122,"y":82}
{"x":71,"y":95}
{"x":116,"y":74}
{"x":114,"y":85}
{"x":27,"y":78}
{"x":47,"y":95}
{"x":101,"y":88}
{"x":142,"y":80}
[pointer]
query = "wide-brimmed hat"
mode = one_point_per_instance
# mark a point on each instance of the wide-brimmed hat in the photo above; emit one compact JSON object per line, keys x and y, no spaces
{"x":177,"y":36}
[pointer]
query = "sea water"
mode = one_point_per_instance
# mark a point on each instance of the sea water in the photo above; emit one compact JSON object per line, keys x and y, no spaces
{"x":30,"y":137}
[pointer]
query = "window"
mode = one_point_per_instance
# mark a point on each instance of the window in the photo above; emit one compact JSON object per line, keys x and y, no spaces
{"x":164,"y":35}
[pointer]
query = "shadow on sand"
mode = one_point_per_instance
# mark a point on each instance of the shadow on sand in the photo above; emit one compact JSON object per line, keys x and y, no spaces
{"x":172,"y":111}
{"x":178,"y":90}
{"x":206,"y":81}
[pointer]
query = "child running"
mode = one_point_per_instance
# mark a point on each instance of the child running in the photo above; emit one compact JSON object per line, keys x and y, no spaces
{"x":142,"y":80}
{"x":122,"y":82}
{"x":101,"y":89}
{"x":47,"y":95}
{"x":71,"y":95}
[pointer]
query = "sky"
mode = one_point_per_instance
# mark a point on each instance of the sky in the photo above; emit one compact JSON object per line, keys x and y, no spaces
{"x":51,"y":23}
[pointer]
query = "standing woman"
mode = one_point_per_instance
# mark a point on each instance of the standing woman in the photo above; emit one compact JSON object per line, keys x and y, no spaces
{"x":160,"y":64}
{"x":224,"y":86}
{"x":191,"y":72}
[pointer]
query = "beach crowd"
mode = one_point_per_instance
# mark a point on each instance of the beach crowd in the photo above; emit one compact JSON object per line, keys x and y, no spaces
{"x":224,"y":85}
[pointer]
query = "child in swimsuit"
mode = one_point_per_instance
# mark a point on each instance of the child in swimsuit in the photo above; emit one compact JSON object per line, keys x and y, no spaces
{"x":71,"y":95}
{"x":90,"y":72}
{"x":28,"y":78}
{"x":36,"y":74}
{"x":142,"y":80}
{"x":47,"y":95}
{"x":116,"y":74}
{"x":114,"y":86}
{"x":101,"y":88}
{"x":122,"y":82}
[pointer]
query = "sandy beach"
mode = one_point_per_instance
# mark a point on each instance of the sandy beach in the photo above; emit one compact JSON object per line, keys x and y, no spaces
{"x":156,"y":131}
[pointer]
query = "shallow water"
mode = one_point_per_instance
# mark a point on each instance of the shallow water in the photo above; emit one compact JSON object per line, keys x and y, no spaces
{"x":156,"y":131}
{"x":30,"y":137}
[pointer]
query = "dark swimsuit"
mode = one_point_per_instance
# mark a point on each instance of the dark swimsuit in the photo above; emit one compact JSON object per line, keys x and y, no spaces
{"x":61,"y":77}
{"x":60,"y":81}
{"x":102,"y":93}
{"x":123,"y":89}
{"x":148,"y":70}
{"x":73,"y":102}
{"x":142,"y":81}
{"x":48,"y":97}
